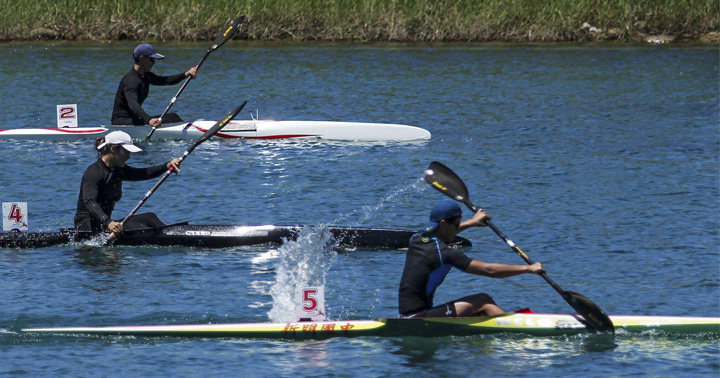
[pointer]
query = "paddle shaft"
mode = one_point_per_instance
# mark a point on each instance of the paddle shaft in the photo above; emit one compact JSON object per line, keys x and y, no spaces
{"x":174,"y":99}
{"x":230,"y":30}
{"x":447,"y":182}
{"x":212,"y":131}
{"x":515,"y":248}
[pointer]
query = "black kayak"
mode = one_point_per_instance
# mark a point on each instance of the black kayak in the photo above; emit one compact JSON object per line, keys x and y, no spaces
{"x":221,"y":236}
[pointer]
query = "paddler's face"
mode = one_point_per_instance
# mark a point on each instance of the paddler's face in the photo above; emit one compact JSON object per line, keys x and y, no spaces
{"x":146,"y":63}
{"x":120,"y":155}
{"x":448,"y":229}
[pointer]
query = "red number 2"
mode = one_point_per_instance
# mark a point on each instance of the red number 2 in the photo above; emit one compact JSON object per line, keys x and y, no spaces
{"x":67,"y":113}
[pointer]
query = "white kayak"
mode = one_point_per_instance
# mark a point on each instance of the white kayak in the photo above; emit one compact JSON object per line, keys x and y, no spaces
{"x":250,"y":129}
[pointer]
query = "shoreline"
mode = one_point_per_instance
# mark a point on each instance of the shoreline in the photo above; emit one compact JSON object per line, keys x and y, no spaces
{"x":516,"y":21}
{"x":587,"y":34}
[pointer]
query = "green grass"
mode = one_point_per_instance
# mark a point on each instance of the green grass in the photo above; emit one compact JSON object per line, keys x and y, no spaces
{"x":382,"y":20}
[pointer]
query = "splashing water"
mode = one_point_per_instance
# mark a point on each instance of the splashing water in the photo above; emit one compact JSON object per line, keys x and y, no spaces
{"x":402,"y":195}
{"x":307,"y":260}
{"x":303,"y":262}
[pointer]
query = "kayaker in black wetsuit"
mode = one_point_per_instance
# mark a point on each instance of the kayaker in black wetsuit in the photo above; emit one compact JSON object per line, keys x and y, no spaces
{"x":135,"y":87}
{"x":429,"y":260}
{"x":101,"y":186}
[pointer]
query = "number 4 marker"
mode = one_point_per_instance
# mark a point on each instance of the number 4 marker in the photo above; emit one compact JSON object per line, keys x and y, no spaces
{"x":15,"y":216}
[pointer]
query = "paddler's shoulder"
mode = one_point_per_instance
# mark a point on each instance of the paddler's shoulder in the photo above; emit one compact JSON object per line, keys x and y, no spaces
{"x":422,"y":238}
{"x":97,"y":164}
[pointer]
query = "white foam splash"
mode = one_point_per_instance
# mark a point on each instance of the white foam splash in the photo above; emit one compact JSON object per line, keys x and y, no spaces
{"x":307,"y":260}
{"x":302,"y":263}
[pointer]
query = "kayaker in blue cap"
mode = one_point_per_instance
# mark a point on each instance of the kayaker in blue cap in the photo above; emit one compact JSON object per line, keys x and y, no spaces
{"x":135,"y":87}
{"x":429,"y":260}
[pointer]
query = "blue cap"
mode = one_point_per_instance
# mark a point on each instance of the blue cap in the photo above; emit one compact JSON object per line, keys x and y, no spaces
{"x":443,"y":210}
{"x":147,"y":50}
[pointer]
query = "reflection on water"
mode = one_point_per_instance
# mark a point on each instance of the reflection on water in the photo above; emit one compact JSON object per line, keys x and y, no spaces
{"x":100,"y":259}
{"x":416,"y":350}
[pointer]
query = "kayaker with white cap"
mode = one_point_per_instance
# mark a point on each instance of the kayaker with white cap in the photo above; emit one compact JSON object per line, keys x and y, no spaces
{"x":429,"y":259}
{"x":101,"y":186}
{"x":135,"y":87}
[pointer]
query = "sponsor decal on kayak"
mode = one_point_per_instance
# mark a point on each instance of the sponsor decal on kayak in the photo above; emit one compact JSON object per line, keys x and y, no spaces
{"x":544,"y":322}
{"x":197,"y":233}
{"x":242,"y":231}
{"x":317,"y":327}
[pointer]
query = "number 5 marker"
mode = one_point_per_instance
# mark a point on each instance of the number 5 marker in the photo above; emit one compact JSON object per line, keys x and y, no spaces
{"x":310,"y":304}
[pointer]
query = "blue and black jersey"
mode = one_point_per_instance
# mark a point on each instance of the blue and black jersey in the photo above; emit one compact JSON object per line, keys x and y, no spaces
{"x":427,"y":262}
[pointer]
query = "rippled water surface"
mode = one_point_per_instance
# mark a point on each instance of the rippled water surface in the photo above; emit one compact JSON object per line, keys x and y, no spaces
{"x":599,"y":161}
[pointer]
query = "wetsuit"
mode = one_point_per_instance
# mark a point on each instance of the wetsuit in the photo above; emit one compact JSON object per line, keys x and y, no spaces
{"x":101,"y":187}
{"x":427,"y":262}
{"x":132,"y":92}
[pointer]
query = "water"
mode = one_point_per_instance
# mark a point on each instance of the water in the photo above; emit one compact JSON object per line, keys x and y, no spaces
{"x":599,"y":161}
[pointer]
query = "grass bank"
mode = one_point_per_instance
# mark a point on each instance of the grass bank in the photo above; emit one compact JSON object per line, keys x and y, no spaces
{"x":361,"y":20}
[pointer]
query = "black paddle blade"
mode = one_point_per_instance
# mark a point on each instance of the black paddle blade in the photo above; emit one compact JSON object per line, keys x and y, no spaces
{"x":595,"y":317}
{"x":219,"y":125}
{"x":228,"y":33}
{"x":447,"y":182}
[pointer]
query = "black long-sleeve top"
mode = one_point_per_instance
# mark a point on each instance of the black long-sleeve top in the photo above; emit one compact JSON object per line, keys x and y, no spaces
{"x":132,"y":92}
{"x":101,"y":187}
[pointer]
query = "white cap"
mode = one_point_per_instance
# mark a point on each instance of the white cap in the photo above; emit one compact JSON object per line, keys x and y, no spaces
{"x":121,"y":138}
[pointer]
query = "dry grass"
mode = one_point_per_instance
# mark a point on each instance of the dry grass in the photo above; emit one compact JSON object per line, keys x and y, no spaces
{"x":367,"y":20}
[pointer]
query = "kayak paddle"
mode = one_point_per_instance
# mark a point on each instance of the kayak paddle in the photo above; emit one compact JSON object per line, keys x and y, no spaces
{"x":221,"y":38}
{"x":212,"y":131}
{"x":447,"y":182}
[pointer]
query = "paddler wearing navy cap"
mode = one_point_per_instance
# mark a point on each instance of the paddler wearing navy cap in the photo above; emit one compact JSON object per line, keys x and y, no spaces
{"x":429,"y":259}
{"x":135,"y":87}
{"x":101,"y":186}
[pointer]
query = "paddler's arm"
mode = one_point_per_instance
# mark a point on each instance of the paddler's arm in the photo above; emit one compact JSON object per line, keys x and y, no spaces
{"x":89,"y":200}
{"x":478,"y":220}
{"x":172,"y":79}
{"x":139,"y":174}
{"x":134,"y":105}
{"x":496,"y":270}
{"x":167,"y":80}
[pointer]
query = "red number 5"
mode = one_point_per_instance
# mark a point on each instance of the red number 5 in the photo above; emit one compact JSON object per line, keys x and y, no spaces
{"x":309,"y":301}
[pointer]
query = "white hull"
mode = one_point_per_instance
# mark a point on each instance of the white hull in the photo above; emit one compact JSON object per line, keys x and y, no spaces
{"x":253,"y":129}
